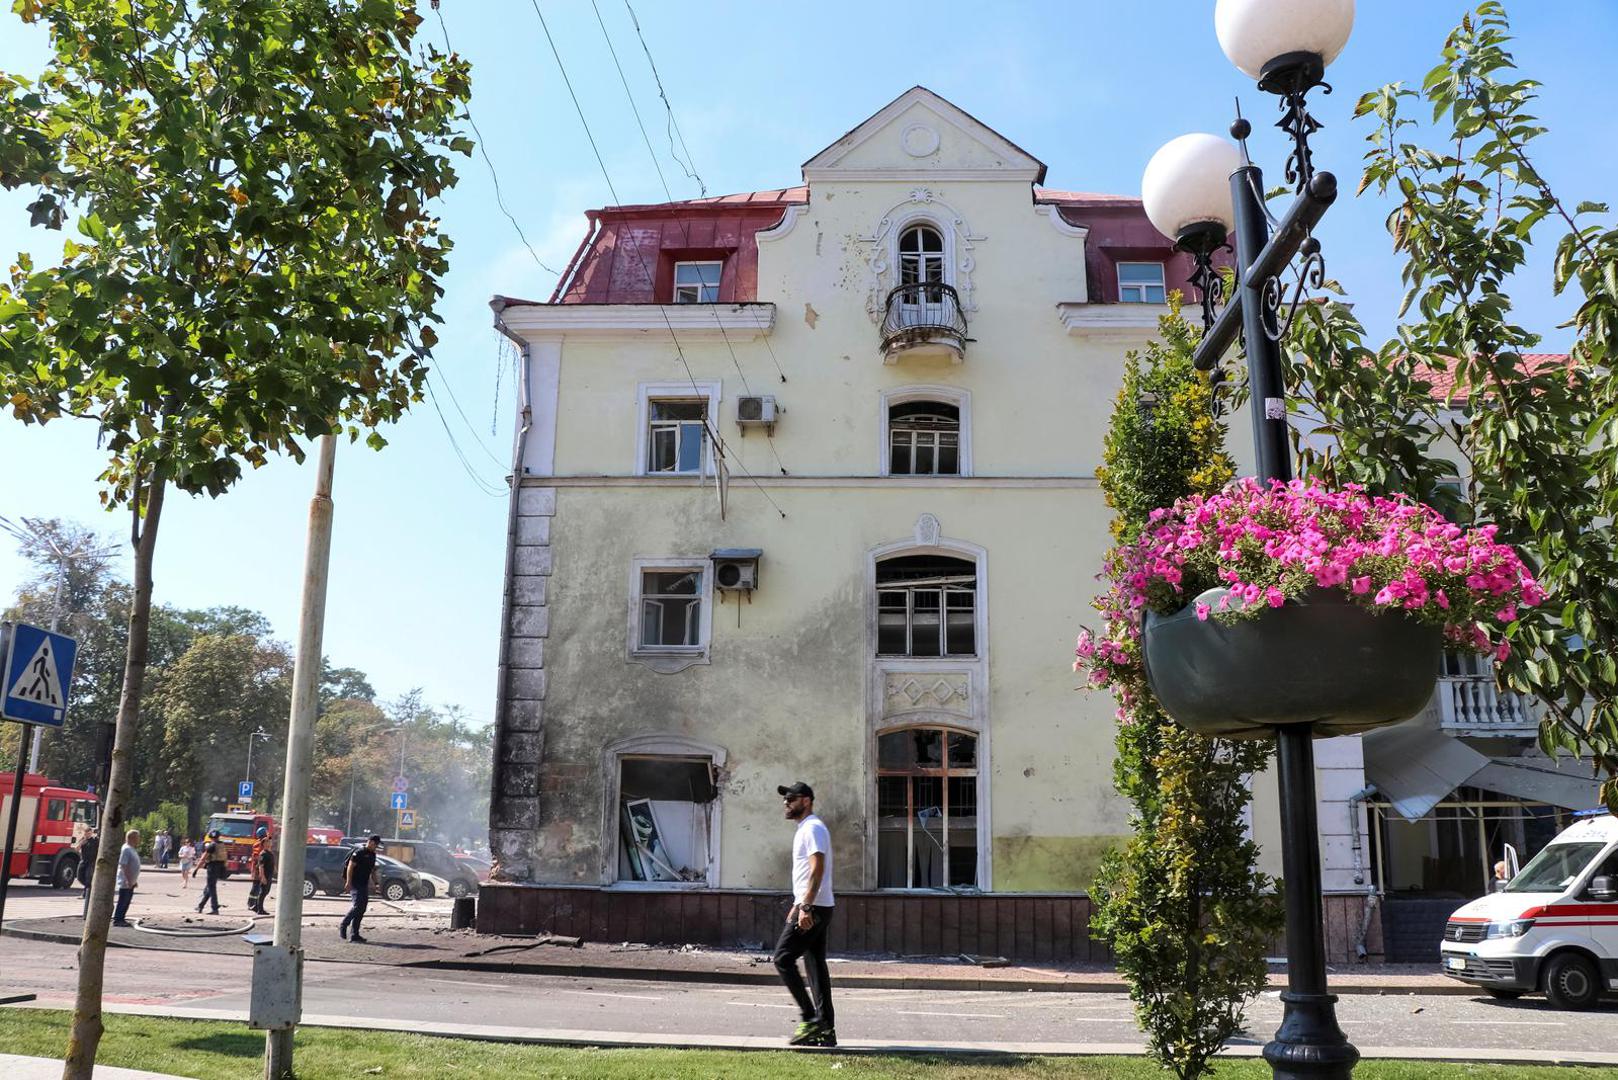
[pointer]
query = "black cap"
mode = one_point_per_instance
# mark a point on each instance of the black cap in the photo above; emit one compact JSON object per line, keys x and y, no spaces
{"x":797,"y":787}
{"x":374,"y":836}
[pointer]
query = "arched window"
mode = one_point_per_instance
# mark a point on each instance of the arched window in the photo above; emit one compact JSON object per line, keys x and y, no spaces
{"x":926,"y":606}
{"x":927,"y":809}
{"x":924,"y":439}
{"x":921,"y":256}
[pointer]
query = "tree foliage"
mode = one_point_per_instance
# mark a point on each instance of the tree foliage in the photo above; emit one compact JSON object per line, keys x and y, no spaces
{"x":1184,"y":908}
{"x":1533,"y":443}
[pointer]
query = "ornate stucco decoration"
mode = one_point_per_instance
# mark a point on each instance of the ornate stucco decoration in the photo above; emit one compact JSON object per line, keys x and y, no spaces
{"x":881,"y":248}
{"x":906,"y":691}
{"x":927,"y":531}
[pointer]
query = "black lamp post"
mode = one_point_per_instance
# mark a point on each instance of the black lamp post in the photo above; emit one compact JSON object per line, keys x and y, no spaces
{"x":1197,"y":189}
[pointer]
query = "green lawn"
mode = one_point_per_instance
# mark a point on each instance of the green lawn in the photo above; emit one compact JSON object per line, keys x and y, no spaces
{"x":219,"y":1051}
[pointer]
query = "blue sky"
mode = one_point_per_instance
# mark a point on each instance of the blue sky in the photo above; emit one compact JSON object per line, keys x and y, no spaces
{"x":1090,"y":88}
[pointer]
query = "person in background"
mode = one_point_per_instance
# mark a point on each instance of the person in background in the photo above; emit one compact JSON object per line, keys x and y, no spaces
{"x":258,"y":865}
{"x":357,"y":875}
{"x":89,"y":848}
{"x":1502,"y":875}
{"x":128,"y":876}
{"x":162,"y":844}
{"x":188,"y":862}
{"x":213,"y":868}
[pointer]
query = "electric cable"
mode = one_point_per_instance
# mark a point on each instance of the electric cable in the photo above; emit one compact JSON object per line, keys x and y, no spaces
{"x":673,"y":124}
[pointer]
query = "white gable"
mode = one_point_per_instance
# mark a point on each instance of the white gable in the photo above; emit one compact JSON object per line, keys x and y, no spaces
{"x":920,"y":135}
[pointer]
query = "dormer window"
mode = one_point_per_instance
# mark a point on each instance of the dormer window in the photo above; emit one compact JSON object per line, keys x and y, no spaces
{"x":921,"y":255}
{"x":1141,"y":283}
{"x":697,"y":282}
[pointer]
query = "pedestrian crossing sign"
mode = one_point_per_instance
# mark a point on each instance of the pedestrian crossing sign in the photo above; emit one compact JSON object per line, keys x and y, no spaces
{"x":37,"y":676}
{"x":407,"y":819}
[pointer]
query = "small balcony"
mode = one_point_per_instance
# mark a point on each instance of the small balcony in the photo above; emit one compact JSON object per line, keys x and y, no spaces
{"x":1473,"y":705}
{"x":923,"y":319}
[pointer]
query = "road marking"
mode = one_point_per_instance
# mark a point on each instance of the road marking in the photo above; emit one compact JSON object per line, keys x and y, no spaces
{"x":605,"y":993}
{"x":760,"y":1005}
{"x":1514,"y":1023}
{"x":970,"y":1016}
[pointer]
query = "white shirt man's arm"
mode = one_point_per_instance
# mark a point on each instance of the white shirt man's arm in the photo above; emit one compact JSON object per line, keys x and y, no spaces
{"x":817,"y":872}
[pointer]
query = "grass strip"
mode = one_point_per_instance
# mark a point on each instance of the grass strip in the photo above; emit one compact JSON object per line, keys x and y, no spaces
{"x":215,"y":1050}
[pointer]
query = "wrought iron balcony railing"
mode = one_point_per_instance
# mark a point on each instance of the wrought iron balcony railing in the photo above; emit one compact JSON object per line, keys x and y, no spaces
{"x":924,"y":317}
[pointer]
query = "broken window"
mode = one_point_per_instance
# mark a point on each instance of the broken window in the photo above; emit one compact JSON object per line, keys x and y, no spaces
{"x":924,"y":439}
{"x":670,"y":609}
{"x":666,"y":807}
{"x":675,"y":434}
{"x":927,"y":809}
{"x":926,"y":606}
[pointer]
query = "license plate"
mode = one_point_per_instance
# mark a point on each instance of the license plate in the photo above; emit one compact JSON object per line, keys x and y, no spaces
{"x":1456,"y":963}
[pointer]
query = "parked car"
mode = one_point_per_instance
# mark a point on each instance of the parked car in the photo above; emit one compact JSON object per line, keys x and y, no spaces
{"x":427,"y":857}
{"x":475,"y":863}
{"x":323,"y":873}
{"x":1553,"y":928}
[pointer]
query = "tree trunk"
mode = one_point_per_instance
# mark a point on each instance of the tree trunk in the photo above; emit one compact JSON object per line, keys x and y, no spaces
{"x":86,"y":1032}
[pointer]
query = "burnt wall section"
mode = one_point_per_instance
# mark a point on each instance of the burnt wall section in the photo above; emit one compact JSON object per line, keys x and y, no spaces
{"x":515,"y":817}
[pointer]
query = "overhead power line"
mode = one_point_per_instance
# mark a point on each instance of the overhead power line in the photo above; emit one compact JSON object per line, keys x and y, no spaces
{"x":689,"y":165}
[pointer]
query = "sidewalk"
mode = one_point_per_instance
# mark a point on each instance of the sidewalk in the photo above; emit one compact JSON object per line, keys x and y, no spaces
{"x":13,"y":1067}
{"x":426,"y":944}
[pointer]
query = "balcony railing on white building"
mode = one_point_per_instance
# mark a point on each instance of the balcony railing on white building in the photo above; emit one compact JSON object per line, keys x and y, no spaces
{"x":1473,"y":705}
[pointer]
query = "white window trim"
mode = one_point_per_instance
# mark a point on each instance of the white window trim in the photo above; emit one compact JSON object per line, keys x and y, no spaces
{"x":658,"y":744}
{"x":646,"y":393}
{"x":974,"y":719}
{"x":669,"y":659}
{"x":675,"y":288}
{"x":904,"y":224}
{"x":1163,"y":274}
{"x":948,"y":395}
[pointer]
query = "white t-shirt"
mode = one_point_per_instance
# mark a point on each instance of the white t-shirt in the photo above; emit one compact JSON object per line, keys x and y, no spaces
{"x":812,"y":836}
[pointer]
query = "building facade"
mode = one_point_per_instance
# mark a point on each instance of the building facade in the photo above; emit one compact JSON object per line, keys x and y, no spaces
{"x":807,"y":491}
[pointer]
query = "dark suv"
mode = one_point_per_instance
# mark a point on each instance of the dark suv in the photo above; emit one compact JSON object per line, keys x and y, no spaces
{"x":323,"y":872}
{"x":428,"y":857}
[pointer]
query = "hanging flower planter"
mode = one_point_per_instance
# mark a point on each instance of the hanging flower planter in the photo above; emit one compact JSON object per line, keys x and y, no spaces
{"x":1270,"y":605}
{"x":1321,"y":659}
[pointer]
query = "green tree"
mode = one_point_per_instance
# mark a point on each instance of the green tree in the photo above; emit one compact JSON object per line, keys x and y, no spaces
{"x":1537,"y":445}
{"x":1182,"y":904}
{"x":257,"y":264}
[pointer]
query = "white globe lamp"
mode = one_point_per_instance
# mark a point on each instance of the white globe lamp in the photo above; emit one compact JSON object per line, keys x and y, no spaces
{"x":1186,"y":189}
{"x":1276,"y":41}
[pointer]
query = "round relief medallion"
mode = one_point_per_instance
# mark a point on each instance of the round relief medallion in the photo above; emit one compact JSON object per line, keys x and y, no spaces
{"x":919,"y":140}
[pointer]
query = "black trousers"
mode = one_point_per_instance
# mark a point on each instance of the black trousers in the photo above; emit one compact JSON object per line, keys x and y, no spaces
{"x":356,"y":912}
{"x":256,"y":896}
{"x":122,"y":909}
{"x":811,"y":945}
{"x":210,"y":892}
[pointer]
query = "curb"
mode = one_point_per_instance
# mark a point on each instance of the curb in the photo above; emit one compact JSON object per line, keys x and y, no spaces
{"x":769,"y":978}
{"x":861,"y":1047}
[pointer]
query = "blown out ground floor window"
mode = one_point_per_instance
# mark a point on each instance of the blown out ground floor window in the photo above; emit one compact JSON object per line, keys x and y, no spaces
{"x":927,"y":809}
{"x":666,"y":818}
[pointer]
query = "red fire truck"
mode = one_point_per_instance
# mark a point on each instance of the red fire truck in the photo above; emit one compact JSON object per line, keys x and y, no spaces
{"x":49,"y":822}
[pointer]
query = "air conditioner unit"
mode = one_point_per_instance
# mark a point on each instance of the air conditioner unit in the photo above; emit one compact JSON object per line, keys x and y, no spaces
{"x":756,"y":410}
{"x":736,"y":569}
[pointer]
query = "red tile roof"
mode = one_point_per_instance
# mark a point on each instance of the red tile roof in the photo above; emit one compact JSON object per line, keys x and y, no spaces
{"x":1083,"y":198}
{"x":770,"y":197}
{"x":1444,"y":381}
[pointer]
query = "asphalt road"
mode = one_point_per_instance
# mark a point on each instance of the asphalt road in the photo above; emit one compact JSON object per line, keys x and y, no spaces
{"x":682,"y":1010}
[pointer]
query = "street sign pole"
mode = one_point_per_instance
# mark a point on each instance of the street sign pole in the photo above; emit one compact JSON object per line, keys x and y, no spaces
{"x":11,"y":818}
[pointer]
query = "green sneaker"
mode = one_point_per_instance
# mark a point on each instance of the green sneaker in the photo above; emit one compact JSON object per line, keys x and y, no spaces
{"x":823,"y":1036}
{"x":807,"y":1031}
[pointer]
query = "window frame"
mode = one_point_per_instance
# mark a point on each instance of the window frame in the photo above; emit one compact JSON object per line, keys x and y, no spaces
{"x":1162,"y":282}
{"x":708,"y":390}
{"x":668,"y":659}
{"x":701,"y":285}
{"x":960,"y":399}
{"x":654,"y":745}
{"x":922,"y":259}
{"x":944,"y":593}
{"x":944,"y":773}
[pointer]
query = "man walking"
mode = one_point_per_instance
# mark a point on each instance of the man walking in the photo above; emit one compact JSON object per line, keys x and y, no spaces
{"x":128,"y":875}
{"x":161,"y":843}
{"x":812,"y":906}
{"x":357,"y":875}
{"x":258,"y":865}
{"x":213,"y":865}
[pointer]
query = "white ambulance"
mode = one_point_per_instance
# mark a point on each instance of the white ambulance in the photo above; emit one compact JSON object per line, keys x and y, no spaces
{"x":1554,"y":928}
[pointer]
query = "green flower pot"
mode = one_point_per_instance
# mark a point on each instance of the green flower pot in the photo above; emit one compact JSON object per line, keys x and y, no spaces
{"x":1321,"y":660}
